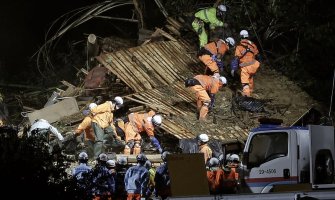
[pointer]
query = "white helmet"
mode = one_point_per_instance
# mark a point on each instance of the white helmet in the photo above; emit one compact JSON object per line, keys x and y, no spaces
{"x":234,"y":157}
{"x":222,"y":8}
{"x":103,"y":157}
{"x":92,"y":105}
{"x":111,"y":163}
{"x":157,"y":120}
{"x":203,"y":137}
{"x":230,"y":41}
{"x":244,"y":34}
{"x":213,"y":162}
{"x":122,"y":160}
{"x":223,"y":80}
{"x":118,"y":101}
{"x":83,"y":156}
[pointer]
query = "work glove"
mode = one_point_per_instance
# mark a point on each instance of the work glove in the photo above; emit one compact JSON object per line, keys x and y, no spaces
{"x":220,"y":64}
{"x":86,"y":112}
{"x":156,"y":144}
{"x":214,"y":58}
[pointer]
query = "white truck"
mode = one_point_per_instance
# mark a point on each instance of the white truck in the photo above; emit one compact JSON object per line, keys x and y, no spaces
{"x":274,"y":155}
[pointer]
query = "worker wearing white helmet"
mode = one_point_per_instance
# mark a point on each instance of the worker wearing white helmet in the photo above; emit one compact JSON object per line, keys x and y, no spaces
{"x":101,"y":121}
{"x":212,"y":53}
{"x":202,"y":140}
{"x":247,"y":58}
{"x":139,"y":123}
{"x":205,"y":87}
{"x":213,"y":16}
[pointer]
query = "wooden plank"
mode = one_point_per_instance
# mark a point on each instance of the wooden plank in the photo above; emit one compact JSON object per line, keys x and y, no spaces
{"x":134,"y":70}
{"x":164,"y":66}
{"x":123,"y":69}
{"x":56,"y":111}
{"x":141,"y":69}
{"x":107,"y":61}
{"x":151,"y":65}
{"x":131,"y":72}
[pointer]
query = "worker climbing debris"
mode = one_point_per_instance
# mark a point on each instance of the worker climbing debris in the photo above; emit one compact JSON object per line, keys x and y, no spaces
{"x":213,"y":16}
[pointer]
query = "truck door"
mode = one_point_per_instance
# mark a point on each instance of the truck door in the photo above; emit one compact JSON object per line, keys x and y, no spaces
{"x":322,"y":156}
{"x":269,"y":160}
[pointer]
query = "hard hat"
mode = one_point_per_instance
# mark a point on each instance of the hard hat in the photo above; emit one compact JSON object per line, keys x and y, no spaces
{"x":103,"y":157}
{"x":111,"y":163}
{"x":230,"y":41}
{"x":234,"y":157}
{"x":164,"y":155}
{"x":157,"y":120}
{"x":222,"y":8}
{"x":203,"y":137}
{"x":213,"y":162}
{"x":83,"y":156}
{"x":223,"y":80}
{"x":118,"y":100}
{"x":141,"y":158}
{"x":147,"y":164}
{"x":122,"y":160}
{"x":92,"y":105}
{"x":244,"y":34}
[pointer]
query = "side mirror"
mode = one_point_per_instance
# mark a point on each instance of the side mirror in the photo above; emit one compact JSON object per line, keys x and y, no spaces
{"x":245,"y":159}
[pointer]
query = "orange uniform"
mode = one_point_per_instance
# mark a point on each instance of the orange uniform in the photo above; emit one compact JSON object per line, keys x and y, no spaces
{"x":85,"y":126}
{"x":218,"y":49}
{"x":246,"y":51}
{"x":207,"y":151}
{"x":215,"y":180}
{"x":229,"y":181}
{"x":208,"y":85}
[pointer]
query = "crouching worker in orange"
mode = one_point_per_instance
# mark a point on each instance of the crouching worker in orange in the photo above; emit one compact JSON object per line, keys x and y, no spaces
{"x":212,"y":54}
{"x":229,"y":182}
{"x":246,"y":57}
{"x":138,"y":123}
{"x":214,"y":176}
{"x":205,"y":88}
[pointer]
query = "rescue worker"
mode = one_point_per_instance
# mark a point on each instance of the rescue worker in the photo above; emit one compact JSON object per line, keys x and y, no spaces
{"x":152,"y":172}
{"x":214,"y":176}
{"x":247,"y":59}
{"x":137,"y":124}
{"x":229,"y":182}
{"x":102,"y":123}
{"x":233,"y":162}
{"x":162,"y":178}
{"x":103,"y":182}
{"x":205,"y":88}
{"x":211,"y":54}
{"x":111,"y":166}
{"x":202,"y":140}
{"x":136,"y":179}
{"x":81,"y":175}
{"x":121,"y":169}
{"x":212,"y":16}
{"x":86,"y":127}
{"x":41,"y":128}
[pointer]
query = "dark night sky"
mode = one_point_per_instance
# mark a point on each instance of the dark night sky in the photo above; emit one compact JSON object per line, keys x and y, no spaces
{"x":23,"y":26}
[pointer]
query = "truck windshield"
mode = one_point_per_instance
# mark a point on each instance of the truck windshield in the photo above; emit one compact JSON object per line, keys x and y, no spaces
{"x":267,"y":146}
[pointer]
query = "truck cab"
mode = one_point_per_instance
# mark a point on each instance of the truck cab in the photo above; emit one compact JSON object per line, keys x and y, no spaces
{"x":275,"y":155}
